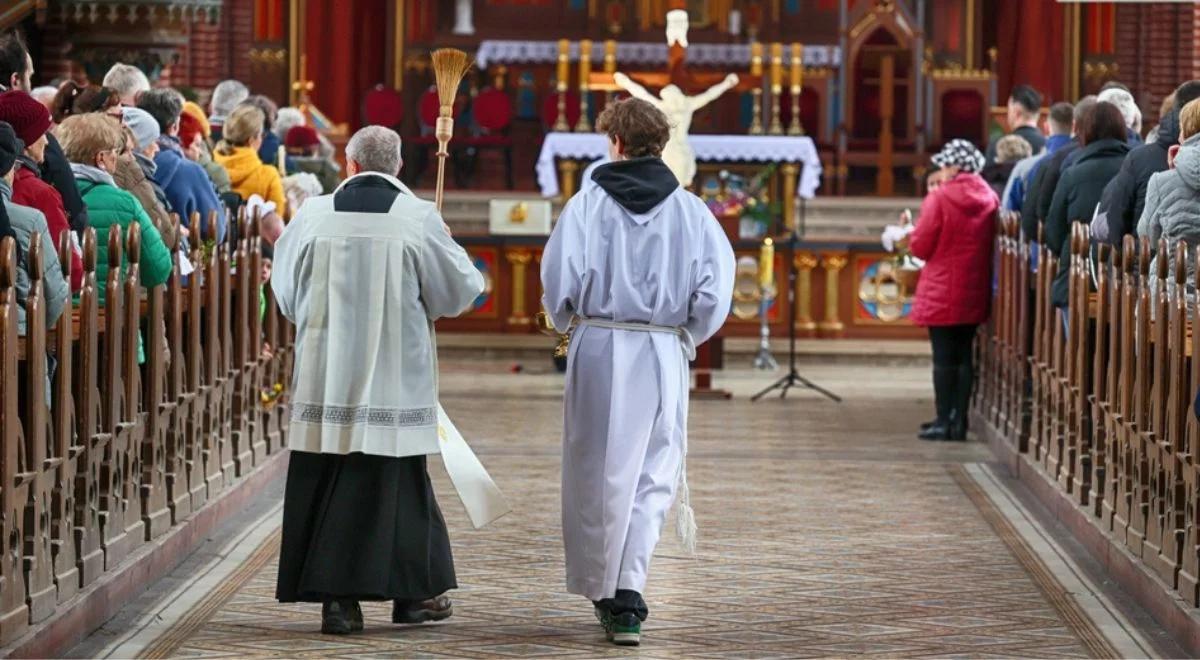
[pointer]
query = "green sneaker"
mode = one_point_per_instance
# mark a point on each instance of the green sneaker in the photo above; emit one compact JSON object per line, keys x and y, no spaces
{"x":624,"y":629}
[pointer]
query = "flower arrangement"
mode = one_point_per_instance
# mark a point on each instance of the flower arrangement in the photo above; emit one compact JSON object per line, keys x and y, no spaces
{"x":746,"y":199}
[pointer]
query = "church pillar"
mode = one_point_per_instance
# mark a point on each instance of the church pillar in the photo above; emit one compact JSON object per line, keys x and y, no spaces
{"x":518,"y":261}
{"x":804,"y":263}
{"x":833,"y":265}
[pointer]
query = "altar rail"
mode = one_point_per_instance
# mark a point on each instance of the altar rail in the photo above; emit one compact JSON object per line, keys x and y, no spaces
{"x":1101,"y":406}
{"x":116,"y":453}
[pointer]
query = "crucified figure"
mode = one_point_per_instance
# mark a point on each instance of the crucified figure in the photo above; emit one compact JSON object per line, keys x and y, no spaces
{"x":679,"y":108}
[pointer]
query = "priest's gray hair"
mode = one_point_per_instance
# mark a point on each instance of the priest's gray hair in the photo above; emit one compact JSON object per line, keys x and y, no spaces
{"x":375,"y":149}
{"x":127,"y":80}
{"x":226,"y":96}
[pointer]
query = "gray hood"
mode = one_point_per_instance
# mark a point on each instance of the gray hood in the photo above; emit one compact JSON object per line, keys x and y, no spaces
{"x":1187,"y":162}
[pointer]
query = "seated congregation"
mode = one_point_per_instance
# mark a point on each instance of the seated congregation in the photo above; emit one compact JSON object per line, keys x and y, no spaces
{"x":1064,"y":332}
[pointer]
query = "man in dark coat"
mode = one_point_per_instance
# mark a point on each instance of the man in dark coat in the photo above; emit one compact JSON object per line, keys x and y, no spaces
{"x":1041,"y":187}
{"x":1125,"y":195}
{"x":16,"y":72}
{"x":1103,"y":136}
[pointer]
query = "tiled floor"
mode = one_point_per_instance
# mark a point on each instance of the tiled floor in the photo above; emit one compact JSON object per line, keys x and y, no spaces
{"x":825,"y":530}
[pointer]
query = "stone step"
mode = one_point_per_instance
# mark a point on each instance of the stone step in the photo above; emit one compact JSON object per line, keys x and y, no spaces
{"x":739,"y":351}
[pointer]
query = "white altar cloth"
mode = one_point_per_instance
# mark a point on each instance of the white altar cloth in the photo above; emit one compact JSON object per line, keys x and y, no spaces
{"x":498,"y":51}
{"x":708,"y":148}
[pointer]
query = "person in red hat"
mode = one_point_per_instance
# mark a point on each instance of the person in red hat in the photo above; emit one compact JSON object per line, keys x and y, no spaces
{"x":304,"y":147}
{"x":30,"y":121}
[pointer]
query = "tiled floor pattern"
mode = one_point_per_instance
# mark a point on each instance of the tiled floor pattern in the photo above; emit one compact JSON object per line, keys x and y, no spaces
{"x":825,"y":530}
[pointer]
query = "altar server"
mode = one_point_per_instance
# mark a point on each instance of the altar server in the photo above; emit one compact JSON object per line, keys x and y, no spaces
{"x":647,"y":273}
{"x":363,"y":273}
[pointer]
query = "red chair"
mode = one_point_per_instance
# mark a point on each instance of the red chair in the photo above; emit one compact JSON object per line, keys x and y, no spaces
{"x":383,"y":106}
{"x":493,"y":114}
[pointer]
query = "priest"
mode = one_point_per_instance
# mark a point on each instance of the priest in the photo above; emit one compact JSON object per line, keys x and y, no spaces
{"x":646,"y":273}
{"x":363,"y":273}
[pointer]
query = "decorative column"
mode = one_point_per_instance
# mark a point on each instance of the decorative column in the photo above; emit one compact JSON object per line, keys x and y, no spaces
{"x":519,"y":260}
{"x":790,"y":171}
{"x":566,"y":178}
{"x":833,"y":265}
{"x":804,"y":263}
{"x":464,"y":22}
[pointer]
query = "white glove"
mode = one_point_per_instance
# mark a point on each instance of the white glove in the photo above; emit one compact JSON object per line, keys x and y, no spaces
{"x":257,"y":204}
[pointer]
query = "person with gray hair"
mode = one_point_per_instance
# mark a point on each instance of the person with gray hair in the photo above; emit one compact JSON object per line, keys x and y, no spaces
{"x":1129,"y":111}
{"x":363,"y":273}
{"x":128,"y":81}
{"x":374,"y":149}
{"x":227,"y":95}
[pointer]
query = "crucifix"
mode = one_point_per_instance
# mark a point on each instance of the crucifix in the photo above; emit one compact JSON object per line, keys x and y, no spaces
{"x":681,"y":94}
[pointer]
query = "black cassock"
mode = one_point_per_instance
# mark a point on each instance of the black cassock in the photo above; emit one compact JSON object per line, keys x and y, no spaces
{"x":361,"y":527}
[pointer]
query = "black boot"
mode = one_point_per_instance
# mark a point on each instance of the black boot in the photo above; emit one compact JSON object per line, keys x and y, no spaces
{"x":944,"y":381}
{"x":962,"y":401}
{"x":341,"y":617}
{"x":421,"y":611}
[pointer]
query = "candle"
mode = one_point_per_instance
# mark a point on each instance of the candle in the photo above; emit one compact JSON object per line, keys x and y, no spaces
{"x":776,"y":65}
{"x":756,"y":55}
{"x":735,"y":22}
{"x":585,"y":63}
{"x":610,"y":56}
{"x":564,"y":63}
{"x":797,"y":65}
{"x":766,"y":264}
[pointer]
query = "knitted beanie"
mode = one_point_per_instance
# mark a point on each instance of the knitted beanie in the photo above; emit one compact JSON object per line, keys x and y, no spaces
{"x":143,"y":124}
{"x":191,"y":108}
{"x":29,"y":119}
{"x":301,"y":137}
{"x":189,"y":128}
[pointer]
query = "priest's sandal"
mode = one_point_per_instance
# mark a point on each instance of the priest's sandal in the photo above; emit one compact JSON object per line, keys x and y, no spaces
{"x":422,"y":611}
{"x":341,"y":617}
{"x":624,"y":629}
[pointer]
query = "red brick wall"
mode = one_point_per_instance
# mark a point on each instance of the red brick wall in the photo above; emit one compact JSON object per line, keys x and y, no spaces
{"x":1157,"y":50}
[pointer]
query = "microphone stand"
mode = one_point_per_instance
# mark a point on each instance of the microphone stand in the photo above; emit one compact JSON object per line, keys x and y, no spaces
{"x":793,"y":378}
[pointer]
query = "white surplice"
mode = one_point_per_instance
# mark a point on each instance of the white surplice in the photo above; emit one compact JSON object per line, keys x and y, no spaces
{"x":626,"y":400}
{"x":364,"y":290}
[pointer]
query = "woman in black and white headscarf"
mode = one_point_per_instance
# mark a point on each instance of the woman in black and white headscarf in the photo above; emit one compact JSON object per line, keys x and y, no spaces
{"x":954,"y":236}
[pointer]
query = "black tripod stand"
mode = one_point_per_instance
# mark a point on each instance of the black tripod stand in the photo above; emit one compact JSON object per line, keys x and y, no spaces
{"x":793,"y":377}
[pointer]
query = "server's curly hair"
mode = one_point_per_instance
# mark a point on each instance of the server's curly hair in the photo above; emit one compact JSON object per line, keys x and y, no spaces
{"x":643,"y":128}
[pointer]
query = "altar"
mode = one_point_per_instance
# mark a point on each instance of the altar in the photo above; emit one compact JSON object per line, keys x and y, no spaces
{"x":564,"y":155}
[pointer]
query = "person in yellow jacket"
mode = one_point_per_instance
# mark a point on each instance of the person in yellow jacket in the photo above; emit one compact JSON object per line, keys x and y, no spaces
{"x":238,"y":154}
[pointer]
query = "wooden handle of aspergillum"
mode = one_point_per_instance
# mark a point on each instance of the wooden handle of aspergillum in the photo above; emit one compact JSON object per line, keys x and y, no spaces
{"x":443,"y":131}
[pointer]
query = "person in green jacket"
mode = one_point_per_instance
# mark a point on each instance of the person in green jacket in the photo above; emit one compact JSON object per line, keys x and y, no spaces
{"x":93,"y":142}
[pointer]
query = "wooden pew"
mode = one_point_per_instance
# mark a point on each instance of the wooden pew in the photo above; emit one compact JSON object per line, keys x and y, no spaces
{"x":1189,"y":570}
{"x":64,"y":449}
{"x":14,"y":491}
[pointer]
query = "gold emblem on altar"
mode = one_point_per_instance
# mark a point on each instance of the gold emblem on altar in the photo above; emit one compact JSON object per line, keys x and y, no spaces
{"x":518,"y":213}
{"x":519,"y":217}
{"x":748,"y":290}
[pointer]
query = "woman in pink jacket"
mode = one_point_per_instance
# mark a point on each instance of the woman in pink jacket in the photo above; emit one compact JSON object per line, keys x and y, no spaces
{"x":954,"y":236}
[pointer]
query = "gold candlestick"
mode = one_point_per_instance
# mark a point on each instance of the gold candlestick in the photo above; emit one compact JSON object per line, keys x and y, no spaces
{"x":756,"y":69}
{"x":610,"y":65}
{"x":585,"y":71}
{"x":766,"y":265}
{"x":564,"y":72}
{"x":797,"y":127}
{"x":776,"y":87}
